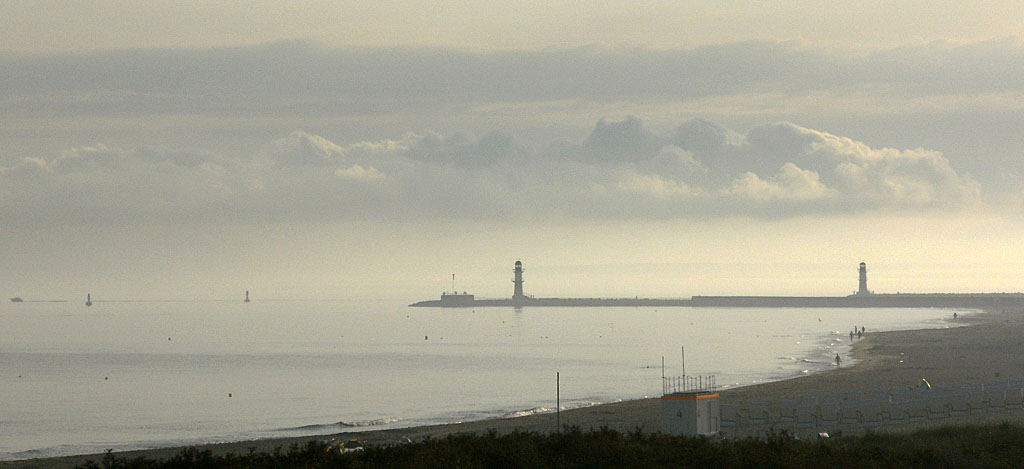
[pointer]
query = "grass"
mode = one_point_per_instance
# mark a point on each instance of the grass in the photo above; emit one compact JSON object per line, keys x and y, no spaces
{"x":999,"y":445}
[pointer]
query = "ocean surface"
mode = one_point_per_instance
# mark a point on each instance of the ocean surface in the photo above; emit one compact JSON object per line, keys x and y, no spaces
{"x":131,"y":375}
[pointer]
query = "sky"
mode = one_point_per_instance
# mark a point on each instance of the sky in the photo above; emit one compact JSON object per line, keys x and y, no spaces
{"x":195,"y":150}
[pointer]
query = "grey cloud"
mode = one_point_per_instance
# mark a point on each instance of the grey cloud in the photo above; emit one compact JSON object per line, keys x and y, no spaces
{"x":706,"y":138}
{"x":622,"y":141}
{"x":621,"y":169}
{"x":295,"y":78}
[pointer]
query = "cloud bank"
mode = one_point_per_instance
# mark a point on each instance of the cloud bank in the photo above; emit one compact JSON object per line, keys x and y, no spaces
{"x":620,"y":170}
{"x":290,"y":78}
{"x":966,"y":99}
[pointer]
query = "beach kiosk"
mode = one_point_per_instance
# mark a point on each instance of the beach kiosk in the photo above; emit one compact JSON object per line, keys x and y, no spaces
{"x":689,"y":406}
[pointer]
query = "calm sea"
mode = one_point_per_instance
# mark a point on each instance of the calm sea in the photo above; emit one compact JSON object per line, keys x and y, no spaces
{"x":129,"y":375}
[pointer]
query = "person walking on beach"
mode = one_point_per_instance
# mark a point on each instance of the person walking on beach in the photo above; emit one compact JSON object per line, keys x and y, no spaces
{"x":837,"y":359}
{"x":851,"y":336}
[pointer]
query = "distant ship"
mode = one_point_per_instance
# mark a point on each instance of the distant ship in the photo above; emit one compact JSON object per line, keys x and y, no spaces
{"x":17,"y":299}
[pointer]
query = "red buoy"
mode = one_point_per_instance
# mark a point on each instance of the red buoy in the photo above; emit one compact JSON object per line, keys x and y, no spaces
{"x":229,"y":394}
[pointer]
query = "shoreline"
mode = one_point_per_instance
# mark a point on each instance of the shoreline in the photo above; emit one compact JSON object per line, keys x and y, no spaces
{"x":980,"y":350}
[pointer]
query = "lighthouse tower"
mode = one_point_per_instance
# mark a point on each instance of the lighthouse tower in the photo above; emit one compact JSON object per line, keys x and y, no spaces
{"x":517,"y":280}
{"x":863,"y":289}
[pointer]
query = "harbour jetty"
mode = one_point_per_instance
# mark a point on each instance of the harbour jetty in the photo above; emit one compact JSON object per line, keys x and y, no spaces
{"x":862,"y":298}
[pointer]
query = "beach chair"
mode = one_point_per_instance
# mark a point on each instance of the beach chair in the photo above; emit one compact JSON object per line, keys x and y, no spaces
{"x":1014,"y":399}
{"x":871,"y":414}
{"x":885,"y":409}
{"x":849,"y":412}
{"x":850,"y":416}
{"x":958,"y":405}
{"x":829,"y":413}
{"x":916,"y":410}
{"x":940,"y":406}
{"x":758,"y":413}
{"x":806,"y":416}
{"x":976,"y":402}
{"x":897,"y":413}
{"x":730,"y":415}
{"x":787,"y":411}
{"x":995,"y":398}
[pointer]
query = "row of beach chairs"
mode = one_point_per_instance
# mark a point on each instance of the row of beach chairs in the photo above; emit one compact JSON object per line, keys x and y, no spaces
{"x":879,"y":407}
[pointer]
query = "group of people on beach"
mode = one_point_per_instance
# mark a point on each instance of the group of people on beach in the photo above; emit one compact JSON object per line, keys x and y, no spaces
{"x":859,"y":332}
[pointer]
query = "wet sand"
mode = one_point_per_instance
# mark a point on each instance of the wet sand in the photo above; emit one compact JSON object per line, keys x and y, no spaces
{"x":988,"y":348}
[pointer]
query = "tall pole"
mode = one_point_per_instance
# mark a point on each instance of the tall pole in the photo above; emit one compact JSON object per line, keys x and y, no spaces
{"x":682,"y":351}
{"x":558,"y":402}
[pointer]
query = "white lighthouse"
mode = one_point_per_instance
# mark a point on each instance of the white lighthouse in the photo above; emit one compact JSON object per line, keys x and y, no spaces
{"x":517,"y":280}
{"x":863,"y":288}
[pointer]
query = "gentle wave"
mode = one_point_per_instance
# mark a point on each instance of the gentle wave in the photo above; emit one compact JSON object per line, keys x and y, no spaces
{"x":371,"y":423}
{"x":526,"y":412}
{"x":545,"y":410}
{"x":344,"y":425}
{"x":804,"y":360}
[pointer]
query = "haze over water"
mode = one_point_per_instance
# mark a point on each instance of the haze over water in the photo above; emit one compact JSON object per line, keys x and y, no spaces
{"x":143,"y":374}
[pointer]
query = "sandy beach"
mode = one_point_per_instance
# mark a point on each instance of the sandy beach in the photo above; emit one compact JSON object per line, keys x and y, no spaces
{"x":986,"y":348}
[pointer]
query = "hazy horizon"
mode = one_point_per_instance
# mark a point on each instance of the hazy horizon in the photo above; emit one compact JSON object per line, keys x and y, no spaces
{"x":349,"y":150}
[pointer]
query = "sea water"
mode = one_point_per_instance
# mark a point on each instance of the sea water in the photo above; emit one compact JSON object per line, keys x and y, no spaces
{"x":131,"y":375}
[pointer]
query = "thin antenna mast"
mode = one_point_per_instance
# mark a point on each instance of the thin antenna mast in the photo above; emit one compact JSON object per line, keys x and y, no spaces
{"x":682,"y":351}
{"x":558,"y":401}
